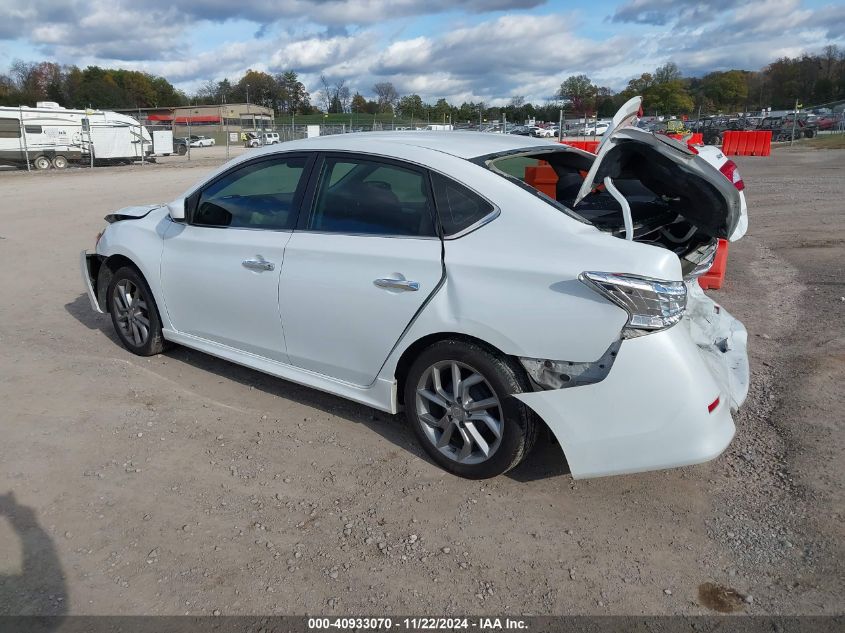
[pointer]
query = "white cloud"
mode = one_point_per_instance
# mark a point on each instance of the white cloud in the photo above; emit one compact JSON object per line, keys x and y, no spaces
{"x":512,"y":49}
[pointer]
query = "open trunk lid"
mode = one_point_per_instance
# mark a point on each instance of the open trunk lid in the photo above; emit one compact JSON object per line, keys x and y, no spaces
{"x":671,"y":169}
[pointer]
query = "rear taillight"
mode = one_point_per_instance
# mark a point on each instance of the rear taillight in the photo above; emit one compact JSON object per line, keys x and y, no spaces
{"x":651,"y":304}
{"x":712,"y":406}
{"x":732,"y":173}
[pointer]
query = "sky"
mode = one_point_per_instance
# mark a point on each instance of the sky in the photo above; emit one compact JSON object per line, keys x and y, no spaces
{"x":463,"y":50}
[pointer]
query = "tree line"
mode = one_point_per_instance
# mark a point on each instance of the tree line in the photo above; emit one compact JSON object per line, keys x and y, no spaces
{"x":813,"y":79}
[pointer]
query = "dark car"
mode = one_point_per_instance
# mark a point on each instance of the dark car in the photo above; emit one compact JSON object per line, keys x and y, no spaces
{"x":180,"y":146}
{"x":785,"y":128}
{"x":712,"y":129}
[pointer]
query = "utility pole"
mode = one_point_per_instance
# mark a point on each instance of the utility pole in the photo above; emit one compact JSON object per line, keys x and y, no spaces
{"x":23,"y":139}
{"x":794,"y":121}
{"x":141,"y":135}
{"x":560,"y":127}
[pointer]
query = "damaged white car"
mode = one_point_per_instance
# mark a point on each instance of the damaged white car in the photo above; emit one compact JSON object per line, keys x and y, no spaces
{"x":418,"y":271}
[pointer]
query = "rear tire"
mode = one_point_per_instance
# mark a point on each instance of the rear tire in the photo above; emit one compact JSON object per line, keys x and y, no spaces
{"x":59,"y":162}
{"x":456,"y":429}
{"x":134,"y":313}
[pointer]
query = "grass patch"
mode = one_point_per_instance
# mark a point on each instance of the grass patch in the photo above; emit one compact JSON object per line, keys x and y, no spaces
{"x":825,"y":141}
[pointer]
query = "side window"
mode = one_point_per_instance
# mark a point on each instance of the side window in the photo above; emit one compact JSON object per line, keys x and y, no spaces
{"x":257,"y":196}
{"x":362,"y":196}
{"x":459,"y":208}
{"x":33,"y":129}
{"x":10,"y":128}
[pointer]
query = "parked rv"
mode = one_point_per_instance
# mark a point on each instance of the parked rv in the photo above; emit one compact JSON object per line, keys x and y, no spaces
{"x":49,"y":135}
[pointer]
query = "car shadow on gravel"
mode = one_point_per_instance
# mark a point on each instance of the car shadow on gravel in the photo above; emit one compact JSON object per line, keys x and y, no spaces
{"x":545,"y":460}
{"x":39,"y":588}
{"x":80,"y":309}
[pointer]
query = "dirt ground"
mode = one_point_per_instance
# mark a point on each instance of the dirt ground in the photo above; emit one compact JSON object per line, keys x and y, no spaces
{"x":185,"y":484}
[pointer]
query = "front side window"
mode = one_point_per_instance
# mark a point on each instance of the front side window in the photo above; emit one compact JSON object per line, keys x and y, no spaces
{"x":458,"y":207}
{"x":257,"y":196}
{"x":373,"y":198}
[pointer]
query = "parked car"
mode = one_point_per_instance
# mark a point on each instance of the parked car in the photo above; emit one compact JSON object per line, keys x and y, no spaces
{"x":180,"y":145}
{"x":259,"y":139}
{"x":545,"y":132}
{"x":201,"y":141}
{"x":785,"y":128}
{"x":596,"y":129}
{"x":420,"y":272}
{"x":713,"y":129}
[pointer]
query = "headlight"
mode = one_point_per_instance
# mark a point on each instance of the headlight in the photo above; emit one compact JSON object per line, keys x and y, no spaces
{"x":651,"y":304}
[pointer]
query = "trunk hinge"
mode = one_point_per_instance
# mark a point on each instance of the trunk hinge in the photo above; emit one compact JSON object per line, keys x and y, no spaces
{"x":626,"y":208}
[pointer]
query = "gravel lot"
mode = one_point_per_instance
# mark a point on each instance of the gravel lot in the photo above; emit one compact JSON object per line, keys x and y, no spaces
{"x":185,"y":484}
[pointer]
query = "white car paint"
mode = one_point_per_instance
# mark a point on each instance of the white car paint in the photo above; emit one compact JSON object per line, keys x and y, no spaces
{"x":202,"y":141}
{"x":318,"y":318}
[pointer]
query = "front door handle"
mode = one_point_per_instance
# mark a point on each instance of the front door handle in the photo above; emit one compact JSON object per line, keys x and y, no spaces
{"x":258,"y":264}
{"x":398,"y":284}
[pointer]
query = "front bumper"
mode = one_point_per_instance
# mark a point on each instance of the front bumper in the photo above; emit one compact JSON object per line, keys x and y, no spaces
{"x":652,"y":410}
{"x":87,"y":267}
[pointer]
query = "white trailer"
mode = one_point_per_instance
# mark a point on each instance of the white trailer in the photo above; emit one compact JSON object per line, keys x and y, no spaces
{"x":51,"y":136}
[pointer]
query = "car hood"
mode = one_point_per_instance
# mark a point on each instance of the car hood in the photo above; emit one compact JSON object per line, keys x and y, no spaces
{"x":132,"y":213}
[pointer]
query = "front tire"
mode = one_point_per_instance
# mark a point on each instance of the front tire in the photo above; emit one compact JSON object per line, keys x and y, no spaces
{"x":459,"y":402}
{"x":134,"y":313}
{"x":41,"y":163}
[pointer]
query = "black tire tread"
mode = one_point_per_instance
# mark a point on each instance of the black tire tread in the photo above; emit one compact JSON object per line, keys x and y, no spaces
{"x":156,"y":343}
{"x":514,"y":381}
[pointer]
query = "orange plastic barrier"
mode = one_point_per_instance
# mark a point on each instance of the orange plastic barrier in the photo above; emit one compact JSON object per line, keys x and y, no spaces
{"x":543,"y":178}
{"x":713,"y":278}
{"x":588,"y":146}
{"x":696,"y":138}
{"x":750,"y":143}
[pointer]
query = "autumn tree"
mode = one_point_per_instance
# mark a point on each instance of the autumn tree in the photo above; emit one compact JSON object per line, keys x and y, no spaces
{"x":386,"y":96}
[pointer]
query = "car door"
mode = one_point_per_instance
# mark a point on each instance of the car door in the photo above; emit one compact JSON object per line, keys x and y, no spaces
{"x":220,"y":268}
{"x":359,"y":266}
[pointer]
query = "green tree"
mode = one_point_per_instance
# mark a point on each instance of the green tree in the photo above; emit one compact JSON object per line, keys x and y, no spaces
{"x":726,"y":90}
{"x":411,"y":107}
{"x":579,"y":92}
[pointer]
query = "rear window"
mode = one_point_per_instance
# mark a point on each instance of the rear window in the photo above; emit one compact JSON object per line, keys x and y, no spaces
{"x":553,"y":175}
{"x":458,"y":207}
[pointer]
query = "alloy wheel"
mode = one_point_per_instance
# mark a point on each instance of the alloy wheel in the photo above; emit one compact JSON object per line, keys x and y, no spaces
{"x":459,"y":411}
{"x":131,"y":312}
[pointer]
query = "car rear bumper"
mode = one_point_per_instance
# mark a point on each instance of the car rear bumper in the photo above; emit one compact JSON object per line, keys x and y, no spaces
{"x":88,"y":270}
{"x":653,"y":410}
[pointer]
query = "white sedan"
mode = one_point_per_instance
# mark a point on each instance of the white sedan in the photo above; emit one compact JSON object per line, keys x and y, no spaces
{"x":596,"y":130}
{"x":419,"y":271}
{"x":201,"y":141}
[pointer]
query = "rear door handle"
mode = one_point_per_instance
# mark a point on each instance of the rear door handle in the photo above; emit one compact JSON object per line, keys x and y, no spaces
{"x":258,"y":264}
{"x":398,"y":284}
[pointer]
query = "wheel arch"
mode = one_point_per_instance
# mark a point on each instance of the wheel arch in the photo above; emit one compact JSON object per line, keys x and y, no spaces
{"x":108,"y":267}
{"x":410,"y":353}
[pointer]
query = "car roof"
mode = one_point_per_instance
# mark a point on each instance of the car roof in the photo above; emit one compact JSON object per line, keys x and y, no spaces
{"x":467,"y":145}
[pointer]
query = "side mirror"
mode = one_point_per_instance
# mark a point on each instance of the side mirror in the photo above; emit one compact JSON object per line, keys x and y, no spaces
{"x":177,"y":209}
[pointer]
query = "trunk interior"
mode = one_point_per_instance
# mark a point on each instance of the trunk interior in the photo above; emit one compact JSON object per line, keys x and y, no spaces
{"x":670,"y":207}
